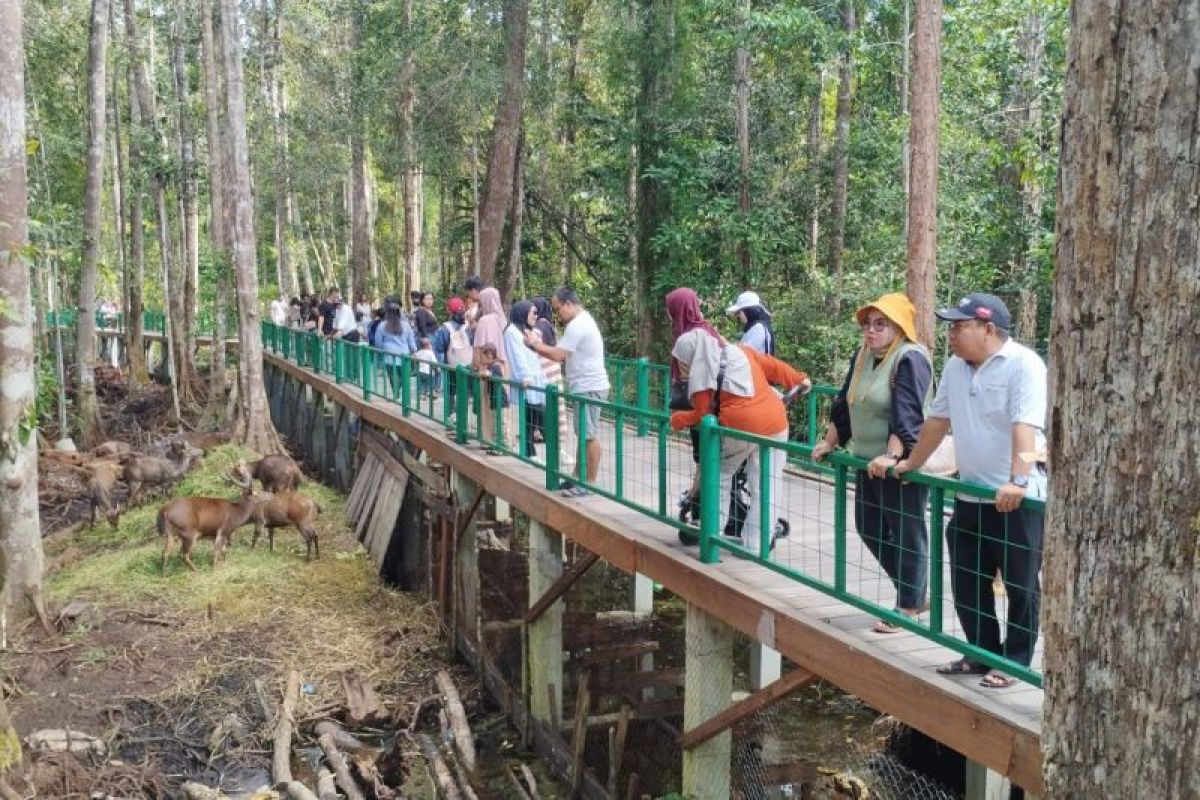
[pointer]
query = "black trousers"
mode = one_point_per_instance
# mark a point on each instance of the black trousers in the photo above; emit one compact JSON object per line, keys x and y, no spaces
{"x":535,"y":417}
{"x":982,"y":541}
{"x":890,"y":517}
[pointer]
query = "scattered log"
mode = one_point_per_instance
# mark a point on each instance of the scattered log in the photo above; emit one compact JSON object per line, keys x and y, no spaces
{"x":326,"y":788}
{"x":298,"y":791}
{"x":362,"y":704}
{"x":344,"y":740}
{"x":264,"y":701}
{"x":447,"y":788}
{"x":583,"y":702}
{"x":464,"y":740}
{"x":341,"y":771}
{"x":616,"y":749}
{"x":281,"y":760}
{"x":530,"y":781}
{"x":522,"y":794}
{"x":198,"y":791}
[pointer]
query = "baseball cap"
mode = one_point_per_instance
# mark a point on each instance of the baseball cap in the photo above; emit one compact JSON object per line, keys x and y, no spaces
{"x":455,"y":305}
{"x":746,"y":300}
{"x":981,"y":306}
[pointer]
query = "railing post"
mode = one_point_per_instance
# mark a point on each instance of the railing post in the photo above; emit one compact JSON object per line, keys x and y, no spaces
{"x":318,"y":352}
{"x":550,"y":428}
{"x":643,"y":394}
{"x":664,"y":428}
{"x":619,"y":455}
{"x":766,"y":523}
{"x":368,"y":371}
{"x":811,"y":402}
{"x":462,"y":399}
{"x":937,"y":521}
{"x":339,"y":356}
{"x":406,"y":384}
{"x":710,"y":490}
{"x":839,"y":528}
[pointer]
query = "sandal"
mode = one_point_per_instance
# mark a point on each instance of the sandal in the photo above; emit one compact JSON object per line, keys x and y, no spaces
{"x":962,"y":667}
{"x":883,"y":626}
{"x":997,"y":680}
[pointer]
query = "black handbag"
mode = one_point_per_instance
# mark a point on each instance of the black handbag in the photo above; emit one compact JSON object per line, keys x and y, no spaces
{"x":680,"y":400}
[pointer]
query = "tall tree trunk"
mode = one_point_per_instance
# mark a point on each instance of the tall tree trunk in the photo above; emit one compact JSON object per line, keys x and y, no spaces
{"x":118,"y":174}
{"x":1121,"y":576}
{"x":741,"y":88}
{"x":658,"y":66}
{"x":412,"y":181}
{"x":255,"y":429}
{"x":841,"y":162}
{"x":516,"y":215}
{"x":905,"y":80}
{"x":87,"y":407}
{"x":360,"y":244}
{"x":190,"y":222}
{"x":214,"y":412}
{"x":21,"y":559}
{"x":134,"y":339}
{"x":506,"y":130}
{"x":1027,"y":116}
{"x":816,"y":113}
{"x":475,"y":203}
{"x":283,"y":217}
{"x":923,"y":178}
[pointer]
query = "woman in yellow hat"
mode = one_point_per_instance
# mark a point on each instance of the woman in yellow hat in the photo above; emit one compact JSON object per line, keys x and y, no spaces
{"x":877,"y":416}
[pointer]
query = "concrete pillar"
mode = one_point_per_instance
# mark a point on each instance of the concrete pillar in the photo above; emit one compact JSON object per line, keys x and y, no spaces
{"x":984,"y":784}
{"x":707,"y":688}
{"x":544,"y":635}
{"x":466,"y":569}
{"x":642,"y":594}
{"x":766,"y":665}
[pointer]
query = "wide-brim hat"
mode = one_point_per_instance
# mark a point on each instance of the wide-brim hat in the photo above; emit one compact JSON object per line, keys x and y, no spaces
{"x":896,"y":307}
{"x":746,"y":300}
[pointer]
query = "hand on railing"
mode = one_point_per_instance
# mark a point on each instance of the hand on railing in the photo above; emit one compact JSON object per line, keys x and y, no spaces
{"x":822,"y":449}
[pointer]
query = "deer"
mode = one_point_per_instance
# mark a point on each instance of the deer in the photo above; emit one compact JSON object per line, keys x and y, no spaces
{"x":204,"y":440}
{"x":112,"y":449}
{"x":277,"y":473}
{"x":160,"y":472}
{"x":193,"y":518}
{"x":279,"y":510}
{"x":102,"y":477}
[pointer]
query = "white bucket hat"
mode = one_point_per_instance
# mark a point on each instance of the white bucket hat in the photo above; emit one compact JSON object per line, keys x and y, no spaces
{"x":746,"y":300}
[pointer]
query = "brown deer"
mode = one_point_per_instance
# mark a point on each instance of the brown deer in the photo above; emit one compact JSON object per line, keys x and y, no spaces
{"x":112,"y":449}
{"x":159,"y":472}
{"x":288,"y":508}
{"x":277,"y":473}
{"x":101,"y":483}
{"x":193,"y":518}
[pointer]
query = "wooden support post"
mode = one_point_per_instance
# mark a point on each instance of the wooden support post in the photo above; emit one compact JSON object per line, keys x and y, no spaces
{"x":642,"y":602}
{"x":707,"y":688}
{"x":738,"y":711}
{"x":984,"y":784}
{"x":466,"y":566}
{"x":766,"y":665}
{"x":560,"y":587}
{"x":544,"y":635}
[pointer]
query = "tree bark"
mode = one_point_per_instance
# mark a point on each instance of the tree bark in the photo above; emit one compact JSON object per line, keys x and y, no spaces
{"x":506,"y":131}
{"x":360,"y":242}
{"x":283,"y":216}
{"x":118,"y":172}
{"x":1026,"y":118}
{"x":1120,"y":571}
{"x":214,"y":412}
{"x":87,"y":407}
{"x":816,"y":113}
{"x":741,"y":87}
{"x":21,"y":558}
{"x":134,"y":339}
{"x":516,"y":215}
{"x":921,"y":276}
{"x":189,"y":223}
{"x":254,"y":428}
{"x":412,"y":180}
{"x":841,"y":161}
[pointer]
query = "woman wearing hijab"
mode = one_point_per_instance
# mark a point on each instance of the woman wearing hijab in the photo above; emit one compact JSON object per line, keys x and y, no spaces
{"x":878,"y":416}
{"x":542,"y":329}
{"x":757,"y":331}
{"x":525,"y":369}
{"x":733,"y":382}
{"x":489,"y":330}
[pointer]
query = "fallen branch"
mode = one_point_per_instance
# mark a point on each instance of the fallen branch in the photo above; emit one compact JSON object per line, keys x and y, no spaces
{"x":530,"y":781}
{"x":446,"y":786}
{"x":341,"y":738}
{"x":341,"y":771}
{"x":464,"y":740}
{"x":298,"y":791}
{"x":326,"y":789}
{"x":516,"y":782}
{"x":198,"y":791}
{"x":281,"y":761}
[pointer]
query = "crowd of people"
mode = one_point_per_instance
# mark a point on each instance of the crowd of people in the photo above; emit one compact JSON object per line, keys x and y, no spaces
{"x":889,"y":412}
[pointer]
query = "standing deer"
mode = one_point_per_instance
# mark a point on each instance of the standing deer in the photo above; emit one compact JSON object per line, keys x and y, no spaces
{"x":193,"y":518}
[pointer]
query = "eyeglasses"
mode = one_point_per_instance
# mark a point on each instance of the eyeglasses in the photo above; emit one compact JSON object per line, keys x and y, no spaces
{"x":878,"y":325}
{"x":960,"y":325}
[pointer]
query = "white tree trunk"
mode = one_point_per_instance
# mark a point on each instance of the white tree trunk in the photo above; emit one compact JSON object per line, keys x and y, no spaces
{"x":21,"y":559}
{"x":923,"y":181}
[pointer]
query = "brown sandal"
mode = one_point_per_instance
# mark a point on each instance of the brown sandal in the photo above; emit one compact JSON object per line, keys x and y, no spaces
{"x":997,"y":680}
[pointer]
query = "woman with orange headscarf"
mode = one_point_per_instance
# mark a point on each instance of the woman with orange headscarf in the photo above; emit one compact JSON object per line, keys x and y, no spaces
{"x":878,"y":415}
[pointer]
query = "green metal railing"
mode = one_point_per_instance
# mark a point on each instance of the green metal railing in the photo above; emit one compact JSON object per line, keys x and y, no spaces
{"x":153,"y":321}
{"x":646,"y":464}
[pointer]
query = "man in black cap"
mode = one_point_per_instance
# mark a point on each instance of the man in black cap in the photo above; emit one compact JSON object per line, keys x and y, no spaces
{"x":993,"y":395}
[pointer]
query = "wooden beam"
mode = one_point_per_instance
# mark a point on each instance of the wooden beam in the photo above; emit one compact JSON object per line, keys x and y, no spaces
{"x":560,"y":586}
{"x":744,"y":708}
{"x":465,"y":521}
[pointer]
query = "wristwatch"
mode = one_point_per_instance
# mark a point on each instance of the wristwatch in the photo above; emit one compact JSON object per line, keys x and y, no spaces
{"x":1019,"y":480}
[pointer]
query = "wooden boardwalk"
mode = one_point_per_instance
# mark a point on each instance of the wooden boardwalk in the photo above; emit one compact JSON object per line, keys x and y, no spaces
{"x":893,"y":673}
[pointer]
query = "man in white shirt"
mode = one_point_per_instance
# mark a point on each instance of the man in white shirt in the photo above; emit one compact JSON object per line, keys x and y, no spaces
{"x":345,"y":324}
{"x":993,"y":395}
{"x":279,"y":311}
{"x":581,"y":347}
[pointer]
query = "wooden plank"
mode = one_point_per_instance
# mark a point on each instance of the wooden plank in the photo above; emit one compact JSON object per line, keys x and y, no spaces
{"x":432,"y":480}
{"x":564,"y":582}
{"x":740,"y":710}
{"x":357,"y":491}
{"x":383,"y":523}
{"x":371,"y":497}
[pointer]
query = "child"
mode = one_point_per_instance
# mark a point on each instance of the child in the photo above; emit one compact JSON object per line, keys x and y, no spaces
{"x":489,"y":367}
{"x":426,"y":359}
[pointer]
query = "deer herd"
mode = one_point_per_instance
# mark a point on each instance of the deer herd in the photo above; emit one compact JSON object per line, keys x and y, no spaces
{"x":188,"y":519}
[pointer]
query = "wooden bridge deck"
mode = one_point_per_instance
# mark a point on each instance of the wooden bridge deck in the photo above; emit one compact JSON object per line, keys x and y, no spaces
{"x":893,"y":673}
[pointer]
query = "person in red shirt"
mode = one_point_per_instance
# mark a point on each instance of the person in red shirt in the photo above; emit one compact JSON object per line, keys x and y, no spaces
{"x":735,"y":383}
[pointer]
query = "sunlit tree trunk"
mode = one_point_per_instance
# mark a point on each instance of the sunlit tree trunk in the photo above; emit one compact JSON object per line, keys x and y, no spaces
{"x":214,"y":412}
{"x":516,"y":214}
{"x":190,"y":222}
{"x":921,"y":275}
{"x":134,"y":340}
{"x":360,"y":242}
{"x":1122,"y":553}
{"x":21,"y":558}
{"x":117,"y":155}
{"x":283,"y":209}
{"x":87,"y":408}
{"x":1027,"y":118}
{"x":506,"y":131}
{"x":840,"y":191}
{"x":816,"y":113}
{"x":254,"y":429}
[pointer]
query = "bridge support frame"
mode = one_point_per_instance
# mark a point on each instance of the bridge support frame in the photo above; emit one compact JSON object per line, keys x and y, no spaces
{"x":708,"y":686}
{"x":544,"y":635}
